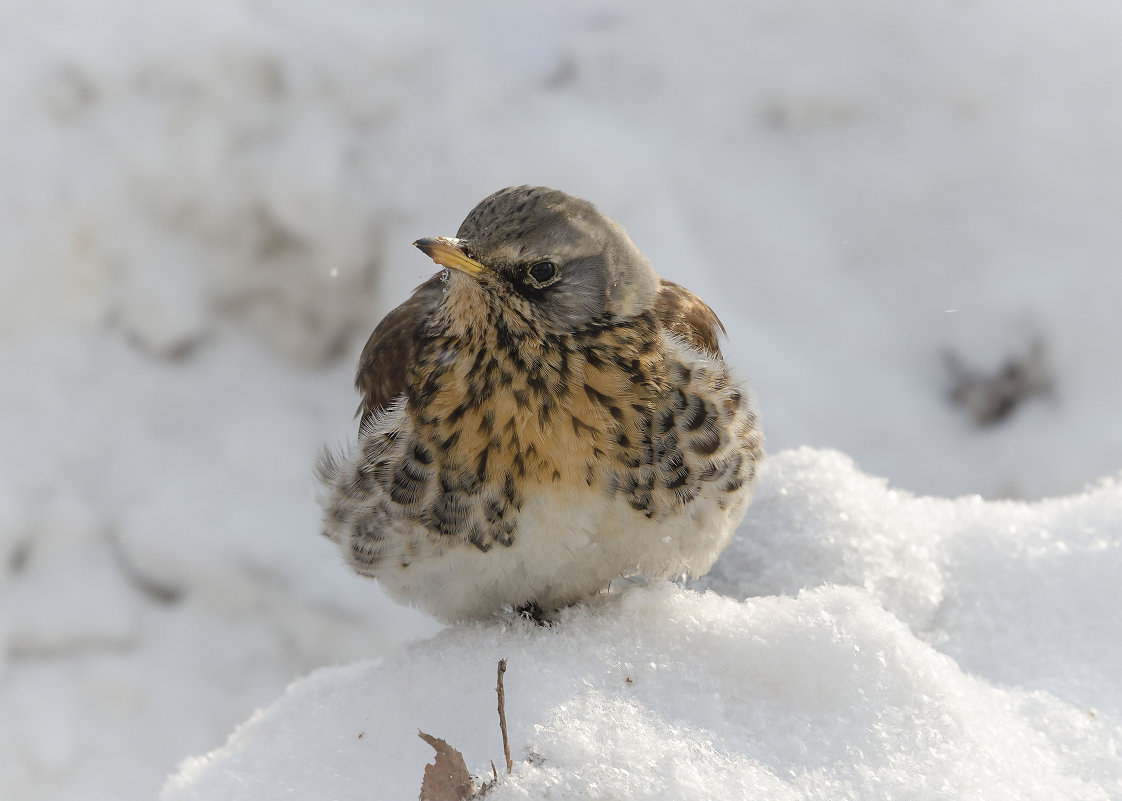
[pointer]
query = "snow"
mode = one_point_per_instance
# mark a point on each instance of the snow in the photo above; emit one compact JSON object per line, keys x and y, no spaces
{"x":207,"y":205}
{"x":828,"y":673}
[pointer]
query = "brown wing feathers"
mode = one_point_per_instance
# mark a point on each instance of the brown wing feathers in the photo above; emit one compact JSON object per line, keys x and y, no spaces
{"x":687,"y":315}
{"x":383,"y":367}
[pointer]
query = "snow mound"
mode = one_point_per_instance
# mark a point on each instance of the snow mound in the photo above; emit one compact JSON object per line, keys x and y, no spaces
{"x":1021,"y":593}
{"x":945,"y":686}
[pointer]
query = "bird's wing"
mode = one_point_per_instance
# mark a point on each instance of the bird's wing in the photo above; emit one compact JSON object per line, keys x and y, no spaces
{"x":689,"y":317}
{"x":383,"y":367}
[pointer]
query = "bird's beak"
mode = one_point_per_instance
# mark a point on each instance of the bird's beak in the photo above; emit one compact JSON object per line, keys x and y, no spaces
{"x":448,"y":251}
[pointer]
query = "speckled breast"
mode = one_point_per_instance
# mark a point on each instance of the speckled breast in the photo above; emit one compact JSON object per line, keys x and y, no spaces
{"x":621,"y":412}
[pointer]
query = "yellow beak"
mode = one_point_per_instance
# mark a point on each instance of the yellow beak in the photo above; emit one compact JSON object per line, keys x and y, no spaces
{"x":448,"y":252}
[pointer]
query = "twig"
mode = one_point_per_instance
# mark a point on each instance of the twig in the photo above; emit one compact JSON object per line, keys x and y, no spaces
{"x":502,"y":716}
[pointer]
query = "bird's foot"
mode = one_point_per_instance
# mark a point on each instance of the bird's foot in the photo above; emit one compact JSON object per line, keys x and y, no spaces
{"x":531,"y":611}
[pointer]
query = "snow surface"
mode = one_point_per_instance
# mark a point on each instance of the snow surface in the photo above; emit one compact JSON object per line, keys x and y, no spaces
{"x":207,"y":204}
{"x":955,"y":663}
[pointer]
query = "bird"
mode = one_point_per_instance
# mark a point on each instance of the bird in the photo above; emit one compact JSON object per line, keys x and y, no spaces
{"x":541,"y":418}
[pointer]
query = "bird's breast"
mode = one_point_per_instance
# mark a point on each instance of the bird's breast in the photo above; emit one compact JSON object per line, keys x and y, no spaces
{"x":627,"y":414}
{"x":545,"y":412}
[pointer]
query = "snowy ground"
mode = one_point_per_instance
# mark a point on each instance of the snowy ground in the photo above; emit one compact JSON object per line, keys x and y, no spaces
{"x":206,"y":206}
{"x":915,"y":681}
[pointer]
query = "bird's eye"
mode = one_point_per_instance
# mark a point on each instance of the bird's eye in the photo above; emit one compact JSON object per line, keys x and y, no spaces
{"x":542,"y":274}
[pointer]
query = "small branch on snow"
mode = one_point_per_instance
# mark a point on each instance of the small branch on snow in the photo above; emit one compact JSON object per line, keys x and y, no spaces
{"x":502,"y":715}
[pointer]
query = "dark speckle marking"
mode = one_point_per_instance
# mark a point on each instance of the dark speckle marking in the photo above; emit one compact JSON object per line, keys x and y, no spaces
{"x":599,"y":397}
{"x":421,"y":453}
{"x":578,"y":424}
{"x":706,"y":442}
{"x":494,"y":510}
{"x":677,"y":479}
{"x":408,"y":484}
{"x":448,"y":513}
{"x":479,"y":539}
{"x":504,"y":534}
{"x":457,"y":413}
{"x":680,"y":399}
{"x":697,"y":412}
{"x":511,"y":493}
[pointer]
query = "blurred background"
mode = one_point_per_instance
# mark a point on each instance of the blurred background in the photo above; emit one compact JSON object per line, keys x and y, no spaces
{"x":908,"y":216}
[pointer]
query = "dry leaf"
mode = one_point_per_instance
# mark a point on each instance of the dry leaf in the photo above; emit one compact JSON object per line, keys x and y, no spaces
{"x":447,"y":779}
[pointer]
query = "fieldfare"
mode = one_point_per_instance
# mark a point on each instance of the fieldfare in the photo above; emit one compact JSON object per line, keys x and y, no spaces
{"x":540,"y":418}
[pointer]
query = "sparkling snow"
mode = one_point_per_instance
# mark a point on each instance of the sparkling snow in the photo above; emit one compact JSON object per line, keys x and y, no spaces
{"x":960,"y":687}
{"x":206,"y":206}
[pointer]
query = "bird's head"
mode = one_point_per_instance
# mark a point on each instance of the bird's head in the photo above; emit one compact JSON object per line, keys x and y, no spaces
{"x":553,"y":258}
